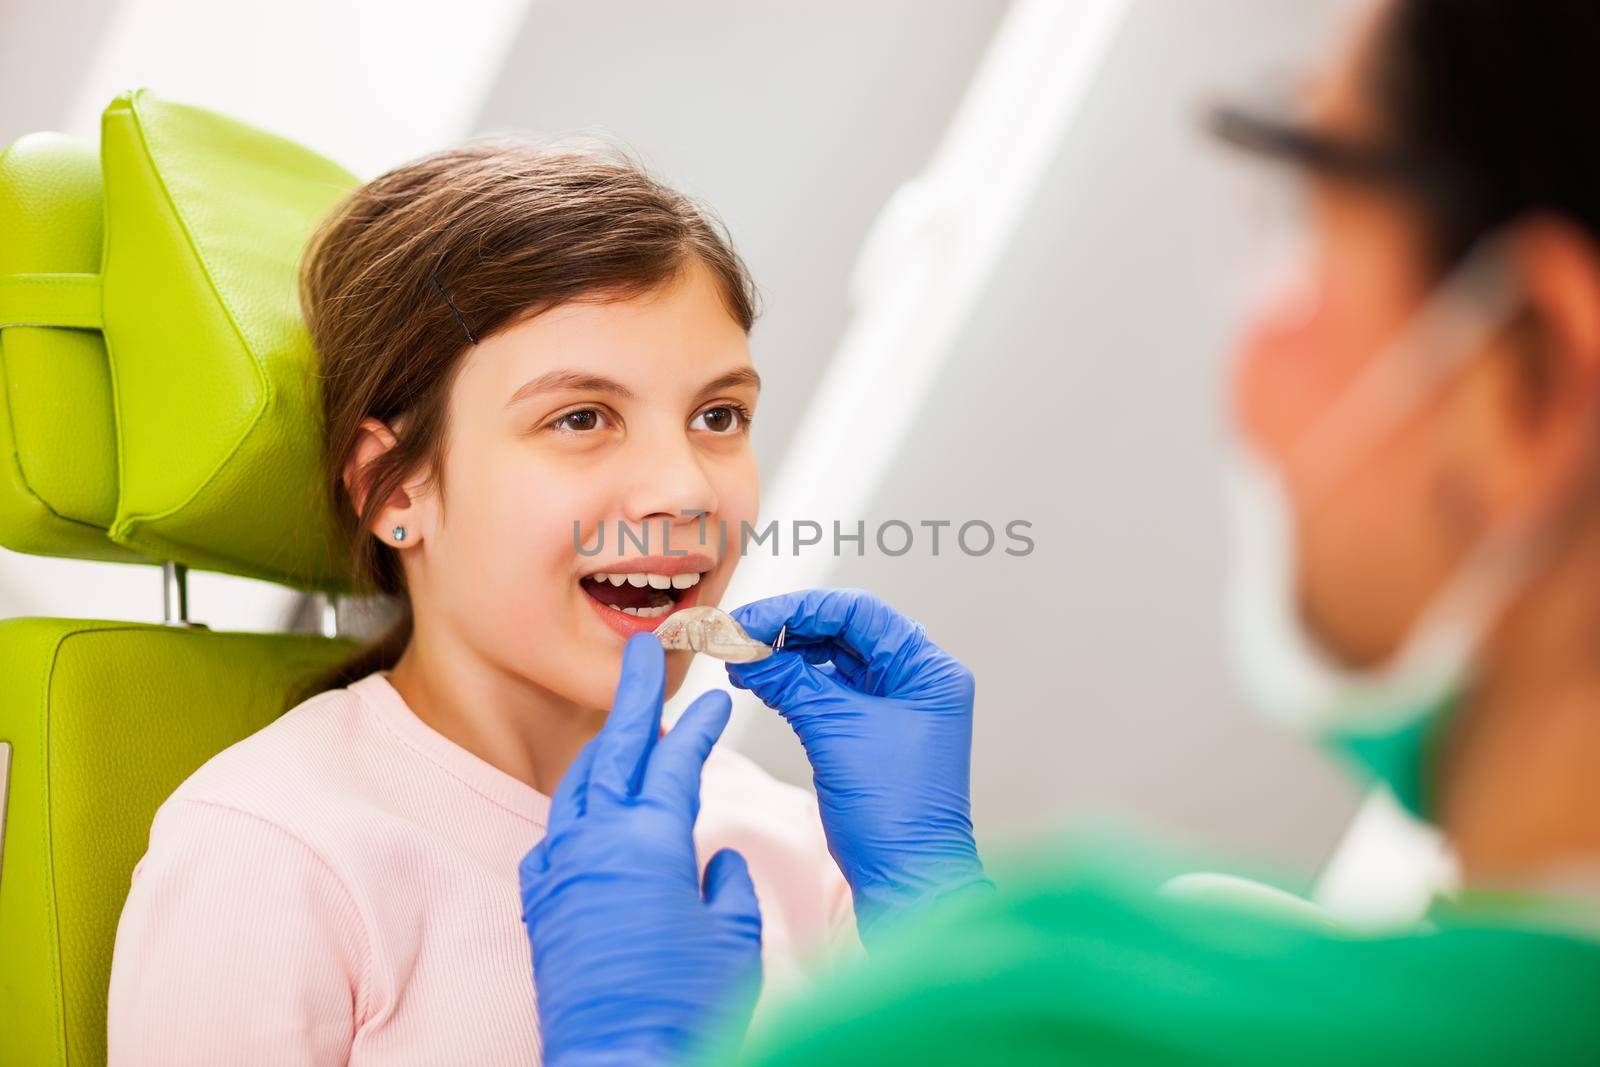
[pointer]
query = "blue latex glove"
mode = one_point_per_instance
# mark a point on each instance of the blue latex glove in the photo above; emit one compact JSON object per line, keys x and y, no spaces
{"x":885,"y":716}
{"x":635,"y":961}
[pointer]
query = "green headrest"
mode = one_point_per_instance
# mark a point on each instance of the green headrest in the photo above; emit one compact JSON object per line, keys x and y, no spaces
{"x":217,"y":449}
{"x":58,"y":452}
{"x":219,"y":422}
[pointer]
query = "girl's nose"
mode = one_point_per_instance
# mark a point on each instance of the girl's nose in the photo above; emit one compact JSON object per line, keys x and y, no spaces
{"x":671,"y":485}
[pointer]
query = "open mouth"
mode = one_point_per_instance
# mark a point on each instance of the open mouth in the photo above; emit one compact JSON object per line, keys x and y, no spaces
{"x":644,"y":594}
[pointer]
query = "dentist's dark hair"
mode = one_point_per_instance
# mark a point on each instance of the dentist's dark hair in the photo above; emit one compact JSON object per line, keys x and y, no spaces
{"x":415,"y":267}
{"x":1501,"y":97}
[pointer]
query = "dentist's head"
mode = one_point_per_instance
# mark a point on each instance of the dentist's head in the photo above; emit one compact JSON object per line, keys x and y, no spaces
{"x":1418,"y":565}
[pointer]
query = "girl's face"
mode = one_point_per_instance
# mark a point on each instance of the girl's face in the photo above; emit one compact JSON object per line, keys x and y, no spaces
{"x":567,"y":428}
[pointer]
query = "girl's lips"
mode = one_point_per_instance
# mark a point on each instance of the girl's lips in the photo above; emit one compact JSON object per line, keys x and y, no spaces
{"x":627,"y":625}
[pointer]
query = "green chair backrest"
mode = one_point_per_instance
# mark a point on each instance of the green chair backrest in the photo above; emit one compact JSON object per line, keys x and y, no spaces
{"x":159,"y":404}
{"x":105,"y":719}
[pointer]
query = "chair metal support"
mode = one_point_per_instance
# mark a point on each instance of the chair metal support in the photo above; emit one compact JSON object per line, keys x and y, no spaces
{"x":175,"y":595}
{"x":328,"y":612}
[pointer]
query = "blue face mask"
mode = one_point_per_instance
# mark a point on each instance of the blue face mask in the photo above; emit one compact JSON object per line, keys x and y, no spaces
{"x":1388,"y":720}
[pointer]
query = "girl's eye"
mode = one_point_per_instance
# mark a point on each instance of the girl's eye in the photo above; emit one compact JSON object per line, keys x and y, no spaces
{"x":584,"y":420}
{"x":722,"y":419}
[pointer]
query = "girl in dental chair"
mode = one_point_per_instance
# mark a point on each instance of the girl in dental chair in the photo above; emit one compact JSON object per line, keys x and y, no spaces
{"x":520,"y":346}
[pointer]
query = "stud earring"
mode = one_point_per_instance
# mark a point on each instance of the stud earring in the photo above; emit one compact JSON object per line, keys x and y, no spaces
{"x":399,"y":533}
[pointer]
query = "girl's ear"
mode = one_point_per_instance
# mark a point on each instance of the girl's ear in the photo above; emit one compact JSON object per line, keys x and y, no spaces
{"x":395,"y":514}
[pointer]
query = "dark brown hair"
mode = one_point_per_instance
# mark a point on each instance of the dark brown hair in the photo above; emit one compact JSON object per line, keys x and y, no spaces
{"x":1502,"y":93}
{"x":417,"y":265}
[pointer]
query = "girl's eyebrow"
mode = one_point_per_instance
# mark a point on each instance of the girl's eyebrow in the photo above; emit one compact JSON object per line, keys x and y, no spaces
{"x":582,"y":381}
{"x":571,"y":380}
{"x":732,"y":380}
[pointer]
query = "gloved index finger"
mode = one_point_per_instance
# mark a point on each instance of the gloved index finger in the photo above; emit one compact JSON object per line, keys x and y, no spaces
{"x":623,"y":746}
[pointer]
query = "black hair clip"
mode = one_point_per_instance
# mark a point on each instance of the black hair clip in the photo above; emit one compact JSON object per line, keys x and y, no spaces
{"x":437,"y":284}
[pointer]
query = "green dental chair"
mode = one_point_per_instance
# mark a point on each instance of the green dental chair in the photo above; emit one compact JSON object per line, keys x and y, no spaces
{"x":159,"y":408}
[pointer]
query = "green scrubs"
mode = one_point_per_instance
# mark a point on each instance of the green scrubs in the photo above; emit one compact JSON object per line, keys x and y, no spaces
{"x":1081,"y":959}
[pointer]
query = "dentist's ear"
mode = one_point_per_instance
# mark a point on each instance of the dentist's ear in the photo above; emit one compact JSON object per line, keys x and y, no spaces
{"x":1548,"y":413}
{"x":397,"y":520}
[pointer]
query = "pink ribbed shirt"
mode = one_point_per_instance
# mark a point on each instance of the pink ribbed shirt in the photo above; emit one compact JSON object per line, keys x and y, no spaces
{"x":341,"y":887}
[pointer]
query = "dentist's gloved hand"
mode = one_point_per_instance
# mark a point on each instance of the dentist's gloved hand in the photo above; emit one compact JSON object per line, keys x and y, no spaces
{"x":635,"y":960}
{"x":885,"y":716}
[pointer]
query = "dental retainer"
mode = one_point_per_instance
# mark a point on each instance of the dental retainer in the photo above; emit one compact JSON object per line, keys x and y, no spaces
{"x":710,"y":630}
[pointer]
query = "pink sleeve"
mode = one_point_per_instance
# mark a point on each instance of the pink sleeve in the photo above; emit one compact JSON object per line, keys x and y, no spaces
{"x":237,"y":945}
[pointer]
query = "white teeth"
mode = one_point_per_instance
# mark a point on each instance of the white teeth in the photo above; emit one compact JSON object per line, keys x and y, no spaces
{"x":640,"y":579}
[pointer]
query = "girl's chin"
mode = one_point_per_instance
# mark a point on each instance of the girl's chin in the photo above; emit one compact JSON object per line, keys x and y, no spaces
{"x":603,"y":696}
